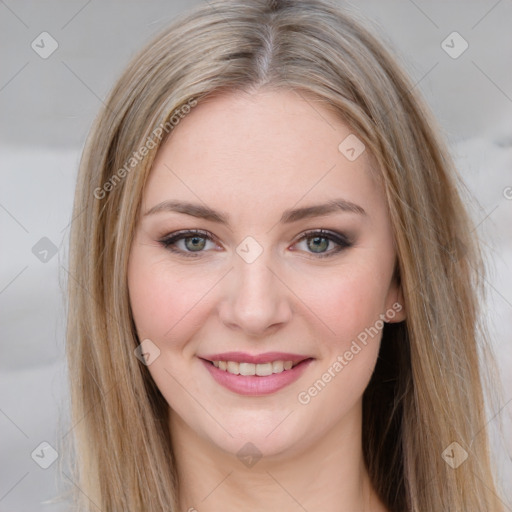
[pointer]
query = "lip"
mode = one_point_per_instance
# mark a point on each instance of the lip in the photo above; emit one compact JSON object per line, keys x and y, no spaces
{"x":254,"y":385}
{"x":267,"y":357}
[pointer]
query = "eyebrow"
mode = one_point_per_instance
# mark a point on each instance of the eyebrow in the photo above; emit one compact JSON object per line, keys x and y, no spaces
{"x":288,"y":216}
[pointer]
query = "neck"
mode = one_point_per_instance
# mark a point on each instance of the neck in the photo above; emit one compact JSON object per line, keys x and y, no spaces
{"x":328,"y":474}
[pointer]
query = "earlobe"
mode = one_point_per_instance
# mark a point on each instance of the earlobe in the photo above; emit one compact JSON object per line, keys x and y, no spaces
{"x":395,"y":311}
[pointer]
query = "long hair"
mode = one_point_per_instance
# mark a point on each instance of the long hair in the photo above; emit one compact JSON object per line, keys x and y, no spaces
{"x":426,"y":392}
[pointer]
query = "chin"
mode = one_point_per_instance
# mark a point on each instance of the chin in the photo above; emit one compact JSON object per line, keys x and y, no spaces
{"x":270,"y":437}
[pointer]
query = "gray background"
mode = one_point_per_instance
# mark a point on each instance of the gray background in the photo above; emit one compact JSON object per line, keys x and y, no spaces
{"x":47,"y":107}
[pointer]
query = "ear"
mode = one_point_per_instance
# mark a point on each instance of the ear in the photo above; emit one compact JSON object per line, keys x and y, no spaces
{"x":395,"y":304}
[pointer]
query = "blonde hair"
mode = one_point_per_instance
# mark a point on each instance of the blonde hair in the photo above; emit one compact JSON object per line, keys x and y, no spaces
{"x":426,"y":391}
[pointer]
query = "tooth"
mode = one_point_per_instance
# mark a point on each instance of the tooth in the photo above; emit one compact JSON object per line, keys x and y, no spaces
{"x":247,"y":368}
{"x":264,"y":369}
{"x":233,"y":367}
{"x":260,"y":369}
{"x":277,"y":366}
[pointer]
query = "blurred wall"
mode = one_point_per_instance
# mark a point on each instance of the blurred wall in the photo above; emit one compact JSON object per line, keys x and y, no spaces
{"x":58,"y":61}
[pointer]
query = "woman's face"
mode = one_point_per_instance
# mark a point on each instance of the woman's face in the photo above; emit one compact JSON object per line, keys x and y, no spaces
{"x":259,"y":286}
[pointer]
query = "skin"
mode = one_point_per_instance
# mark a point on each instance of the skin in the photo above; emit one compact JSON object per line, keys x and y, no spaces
{"x":252,"y":156}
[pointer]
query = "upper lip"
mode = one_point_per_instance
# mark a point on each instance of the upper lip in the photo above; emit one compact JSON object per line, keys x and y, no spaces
{"x":267,"y":357}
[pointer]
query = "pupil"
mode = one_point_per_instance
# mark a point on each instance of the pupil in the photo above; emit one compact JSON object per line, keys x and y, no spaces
{"x":197,"y":242}
{"x":318,"y":244}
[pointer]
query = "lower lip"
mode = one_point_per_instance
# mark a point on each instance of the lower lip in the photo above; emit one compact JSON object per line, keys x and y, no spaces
{"x":255,"y":385}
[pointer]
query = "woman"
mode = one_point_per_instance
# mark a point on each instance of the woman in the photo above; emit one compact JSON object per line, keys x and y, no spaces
{"x":273,"y":293}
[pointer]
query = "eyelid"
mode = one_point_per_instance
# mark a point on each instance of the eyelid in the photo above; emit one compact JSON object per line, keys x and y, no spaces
{"x":331,"y":235}
{"x":188,"y":233}
{"x":341,"y":240}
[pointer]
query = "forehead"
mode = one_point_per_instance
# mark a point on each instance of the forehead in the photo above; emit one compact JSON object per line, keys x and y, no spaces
{"x":259,"y":150}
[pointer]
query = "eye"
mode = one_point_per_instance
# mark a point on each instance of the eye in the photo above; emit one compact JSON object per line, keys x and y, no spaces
{"x":194,"y":241}
{"x":317,"y":242}
{"x":191,"y":243}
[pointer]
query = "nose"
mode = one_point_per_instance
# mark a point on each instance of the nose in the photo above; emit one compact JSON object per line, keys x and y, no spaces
{"x":256,"y":301}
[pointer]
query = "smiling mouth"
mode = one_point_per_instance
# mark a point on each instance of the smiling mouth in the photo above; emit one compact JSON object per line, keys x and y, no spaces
{"x":256,"y":369}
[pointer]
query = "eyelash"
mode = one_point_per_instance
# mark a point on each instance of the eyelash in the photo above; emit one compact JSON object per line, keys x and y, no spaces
{"x":341,"y":240}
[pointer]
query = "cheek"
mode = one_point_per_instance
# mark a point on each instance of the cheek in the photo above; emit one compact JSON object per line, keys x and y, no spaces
{"x":165,"y":303}
{"x":350,"y":302}
{"x":350,"y":306}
